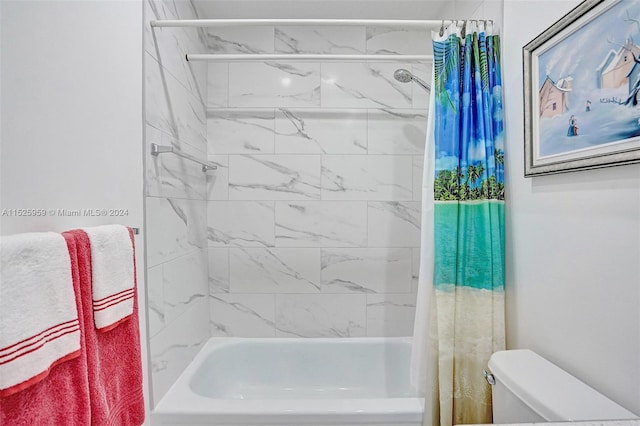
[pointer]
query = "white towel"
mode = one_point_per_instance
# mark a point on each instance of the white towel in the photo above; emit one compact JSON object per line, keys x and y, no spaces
{"x":112,"y":274}
{"x":38,"y":316}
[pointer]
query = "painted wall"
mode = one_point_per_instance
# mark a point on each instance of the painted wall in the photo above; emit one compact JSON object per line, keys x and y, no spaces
{"x":177,"y":275}
{"x":71,"y":121}
{"x":573,"y":245}
{"x":71,"y":118}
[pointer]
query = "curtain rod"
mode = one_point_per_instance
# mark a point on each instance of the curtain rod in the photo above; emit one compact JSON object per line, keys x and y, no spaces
{"x":263,"y":22}
{"x":192,"y":57}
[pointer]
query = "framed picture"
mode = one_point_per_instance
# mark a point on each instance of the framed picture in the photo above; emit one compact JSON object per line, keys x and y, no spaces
{"x":582,"y":90}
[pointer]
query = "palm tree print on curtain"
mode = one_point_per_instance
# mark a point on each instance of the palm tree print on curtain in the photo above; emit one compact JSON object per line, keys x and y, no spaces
{"x":468,"y":219}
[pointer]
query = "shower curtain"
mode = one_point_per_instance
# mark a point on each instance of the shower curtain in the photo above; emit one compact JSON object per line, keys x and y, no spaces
{"x":460,"y":312}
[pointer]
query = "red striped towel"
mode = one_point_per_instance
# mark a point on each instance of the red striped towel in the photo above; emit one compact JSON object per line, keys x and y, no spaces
{"x":39,"y":326}
{"x":61,"y":398}
{"x":112,"y":275}
{"x":114,"y":362}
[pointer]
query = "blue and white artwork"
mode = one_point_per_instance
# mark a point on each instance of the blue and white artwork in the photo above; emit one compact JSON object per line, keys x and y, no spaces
{"x":588,"y":84}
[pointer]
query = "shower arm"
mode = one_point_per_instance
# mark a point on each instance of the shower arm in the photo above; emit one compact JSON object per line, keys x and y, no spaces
{"x":422,"y":84}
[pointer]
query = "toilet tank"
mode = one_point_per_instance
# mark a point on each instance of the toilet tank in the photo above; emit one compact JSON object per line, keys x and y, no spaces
{"x":528,"y":388}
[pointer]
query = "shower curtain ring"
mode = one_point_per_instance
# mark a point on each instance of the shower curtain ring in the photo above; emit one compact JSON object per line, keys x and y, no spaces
{"x":442,"y":28}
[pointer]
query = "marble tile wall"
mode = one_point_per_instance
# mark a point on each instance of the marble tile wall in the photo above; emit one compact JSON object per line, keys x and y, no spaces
{"x":314,"y":212}
{"x":176,"y":195}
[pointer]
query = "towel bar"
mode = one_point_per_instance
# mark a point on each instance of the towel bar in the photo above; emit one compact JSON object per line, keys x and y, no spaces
{"x":161,"y":149}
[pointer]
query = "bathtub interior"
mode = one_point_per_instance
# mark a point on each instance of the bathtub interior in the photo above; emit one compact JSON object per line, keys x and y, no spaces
{"x":315,"y":369}
{"x":288,"y":381}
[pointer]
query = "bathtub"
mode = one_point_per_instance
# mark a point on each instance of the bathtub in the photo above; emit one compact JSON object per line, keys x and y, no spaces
{"x":294,"y":381}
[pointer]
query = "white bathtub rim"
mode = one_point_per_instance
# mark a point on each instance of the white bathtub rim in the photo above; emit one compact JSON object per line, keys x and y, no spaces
{"x":391,"y":411}
{"x":225,"y":407}
{"x":175,"y":419}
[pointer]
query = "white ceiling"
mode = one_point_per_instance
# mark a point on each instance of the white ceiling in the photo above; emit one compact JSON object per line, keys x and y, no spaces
{"x":329,"y":9}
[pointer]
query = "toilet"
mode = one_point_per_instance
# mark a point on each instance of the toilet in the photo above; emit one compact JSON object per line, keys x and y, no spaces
{"x":528,"y":388}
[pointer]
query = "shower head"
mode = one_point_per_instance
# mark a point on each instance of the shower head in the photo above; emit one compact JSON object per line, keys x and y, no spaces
{"x":405,"y":76}
{"x":402,"y":75}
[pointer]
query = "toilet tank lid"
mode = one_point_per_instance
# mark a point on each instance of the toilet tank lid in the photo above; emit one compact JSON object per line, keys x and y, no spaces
{"x":550,"y":391}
